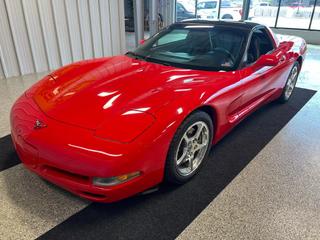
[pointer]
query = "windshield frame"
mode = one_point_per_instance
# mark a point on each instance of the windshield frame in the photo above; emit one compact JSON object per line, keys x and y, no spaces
{"x":136,"y":53}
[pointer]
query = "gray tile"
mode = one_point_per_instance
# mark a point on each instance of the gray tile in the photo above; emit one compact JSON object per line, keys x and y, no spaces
{"x":10,"y":90}
{"x":30,"y":206}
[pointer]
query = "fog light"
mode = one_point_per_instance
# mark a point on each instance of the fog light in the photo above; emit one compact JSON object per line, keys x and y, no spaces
{"x":114,"y":180}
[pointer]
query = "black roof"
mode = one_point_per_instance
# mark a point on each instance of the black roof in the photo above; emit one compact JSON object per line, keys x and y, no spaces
{"x":241,"y":24}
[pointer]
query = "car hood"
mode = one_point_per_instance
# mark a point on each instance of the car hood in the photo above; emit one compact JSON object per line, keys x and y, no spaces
{"x":90,"y":92}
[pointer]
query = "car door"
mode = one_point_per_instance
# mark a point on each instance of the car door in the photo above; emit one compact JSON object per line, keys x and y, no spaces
{"x":261,"y":81}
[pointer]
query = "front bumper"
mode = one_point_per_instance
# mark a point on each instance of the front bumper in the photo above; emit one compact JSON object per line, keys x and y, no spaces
{"x":70,"y":157}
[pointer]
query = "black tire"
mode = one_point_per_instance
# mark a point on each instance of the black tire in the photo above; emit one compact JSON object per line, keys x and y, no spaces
{"x":172,"y":174}
{"x":285,"y":96}
{"x":227,"y":16}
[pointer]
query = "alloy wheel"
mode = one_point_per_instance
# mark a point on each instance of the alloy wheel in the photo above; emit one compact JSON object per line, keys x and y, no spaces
{"x":291,"y":83}
{"x":192,"y":148}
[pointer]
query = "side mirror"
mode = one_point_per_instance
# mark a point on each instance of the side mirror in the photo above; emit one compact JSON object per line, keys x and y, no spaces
{"x":142,"y":41}
{"x":267,"y":60}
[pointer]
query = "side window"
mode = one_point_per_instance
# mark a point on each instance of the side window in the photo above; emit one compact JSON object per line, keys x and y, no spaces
{"x":210,"y":5}
{"x":265,"y":42}
{"x":201,"y":5}
{"x":173,"y":36}
{"x":260,"y":44}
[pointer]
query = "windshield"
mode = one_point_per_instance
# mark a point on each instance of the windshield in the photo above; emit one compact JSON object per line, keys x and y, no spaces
{"x":203,"y":47}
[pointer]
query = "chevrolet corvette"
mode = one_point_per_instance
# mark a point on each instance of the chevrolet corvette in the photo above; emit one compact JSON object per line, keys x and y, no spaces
{"x":110,"y":128}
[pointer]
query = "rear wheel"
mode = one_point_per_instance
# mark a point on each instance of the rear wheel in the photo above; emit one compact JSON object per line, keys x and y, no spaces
{"x":290,"y":84}
{"x":227,"y":16}
{"x":189,"y":148}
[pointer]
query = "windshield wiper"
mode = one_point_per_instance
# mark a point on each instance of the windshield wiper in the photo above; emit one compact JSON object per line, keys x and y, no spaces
{"x":136,"y":56}
{"x":165,"y":63}
{"x":155,"y":60}
{"x":148,"y":58}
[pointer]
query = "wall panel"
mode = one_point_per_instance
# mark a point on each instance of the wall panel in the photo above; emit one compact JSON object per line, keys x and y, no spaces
{"x":96,"y":28}
{"x":49,"y":33}
{"x":122,"y":31}
{"x":106,"y":27}
{"x":115,"y":26}
{"x":85,"y":27}
{"x":74,"y":29}
{"x":32,"y":18}
{"x":38,"y":35}
{"x":62,"y":29}
{"x":20,"y":36}
{"x":8,"y":56}
{"x":1,"y":70}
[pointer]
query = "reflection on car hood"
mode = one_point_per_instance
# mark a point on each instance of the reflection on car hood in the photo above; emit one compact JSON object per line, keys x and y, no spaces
{"x":88,"y":93}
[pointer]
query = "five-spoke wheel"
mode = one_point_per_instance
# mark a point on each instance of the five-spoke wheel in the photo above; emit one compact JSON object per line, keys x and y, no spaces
{"x":189,"y":147}
{"x":291,"y":83}
{"x":192,"y":148}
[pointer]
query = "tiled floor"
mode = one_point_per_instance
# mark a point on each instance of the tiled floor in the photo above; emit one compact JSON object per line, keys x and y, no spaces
{"x":277,"y":196}
{"x":10,"y":90}
{"x":28,"y":210}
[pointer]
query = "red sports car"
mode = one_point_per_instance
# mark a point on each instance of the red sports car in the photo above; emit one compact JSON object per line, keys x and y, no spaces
{"x":109,"y":128}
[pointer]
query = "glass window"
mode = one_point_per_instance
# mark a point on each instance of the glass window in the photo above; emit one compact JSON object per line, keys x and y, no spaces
{"x":225,"y":4}
{"x":207,"y":47}
{"x":185,"y":9}
{"x":316,"y":17}
{"x":210,"y":5}
{"x":295,"y":14}
{"x":207,"y":10}
{"x":129,"y":23}
{"x":180,"y":7}
{"x":201,"y":5}
{"x":231,"y":10}
{"x":264,"y":12}
{"x":260,"y":44}
{"x":292,"y":13}
{"x":173,"y":36}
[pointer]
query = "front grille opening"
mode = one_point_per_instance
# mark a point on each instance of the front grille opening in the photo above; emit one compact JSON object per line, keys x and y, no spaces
{"x":93,"y":195}
{"x":49,"y":170}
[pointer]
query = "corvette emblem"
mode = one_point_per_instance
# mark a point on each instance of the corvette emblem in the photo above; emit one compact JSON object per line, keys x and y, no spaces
{"x":39,"y":124}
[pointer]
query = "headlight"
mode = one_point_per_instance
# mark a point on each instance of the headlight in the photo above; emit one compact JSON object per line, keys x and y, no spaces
{"x":112,"y":181}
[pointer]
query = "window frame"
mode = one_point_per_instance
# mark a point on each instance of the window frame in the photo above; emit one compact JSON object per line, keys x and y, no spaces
{"x":243,"y":63}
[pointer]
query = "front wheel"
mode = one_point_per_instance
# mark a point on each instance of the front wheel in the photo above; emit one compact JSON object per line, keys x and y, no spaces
{"x":189,"y":148}
{"x":290,"y":84}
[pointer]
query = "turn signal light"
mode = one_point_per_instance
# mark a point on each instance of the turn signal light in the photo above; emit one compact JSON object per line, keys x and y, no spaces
{"x":112,"y":181}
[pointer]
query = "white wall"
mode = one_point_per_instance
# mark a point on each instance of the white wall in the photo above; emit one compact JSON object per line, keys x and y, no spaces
{"x":42,"y":35}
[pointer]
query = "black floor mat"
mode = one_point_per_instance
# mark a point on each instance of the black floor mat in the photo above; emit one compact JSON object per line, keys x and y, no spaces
{"x":8,"y":156}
